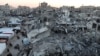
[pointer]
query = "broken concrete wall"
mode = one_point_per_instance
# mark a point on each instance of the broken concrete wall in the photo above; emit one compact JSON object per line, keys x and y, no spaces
{"x":44,"y":34}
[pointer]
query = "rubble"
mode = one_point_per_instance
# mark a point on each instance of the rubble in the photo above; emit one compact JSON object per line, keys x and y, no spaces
{"x":50,"y":31}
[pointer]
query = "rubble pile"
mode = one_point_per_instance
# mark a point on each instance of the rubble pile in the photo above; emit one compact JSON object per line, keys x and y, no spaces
{"x":50,"y":31}
{"x":70,"y":36}
{"x":69,"y":45}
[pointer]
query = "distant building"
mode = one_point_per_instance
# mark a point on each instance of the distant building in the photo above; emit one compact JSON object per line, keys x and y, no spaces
{"x":44,"y":4}
{"x":5,"y":10}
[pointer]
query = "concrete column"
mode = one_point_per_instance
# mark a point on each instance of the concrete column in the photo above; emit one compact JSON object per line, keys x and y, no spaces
{"x":83,"y":29}
{"x":97,"y":27}
{"x":96,"y":30}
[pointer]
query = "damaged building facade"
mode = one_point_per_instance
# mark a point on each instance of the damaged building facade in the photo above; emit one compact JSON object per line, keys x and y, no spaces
{"x":49,"y":31}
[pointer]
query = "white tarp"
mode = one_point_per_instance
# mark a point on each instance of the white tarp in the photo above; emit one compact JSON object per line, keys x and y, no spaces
{"x":6,"y":32}
{"x":14,"y":20}
{"x":2,"y":47}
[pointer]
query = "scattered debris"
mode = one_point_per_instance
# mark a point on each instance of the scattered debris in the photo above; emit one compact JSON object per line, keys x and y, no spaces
{"x":49,"y":31}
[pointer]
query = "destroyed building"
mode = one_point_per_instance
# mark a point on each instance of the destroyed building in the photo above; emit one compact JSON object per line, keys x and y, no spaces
{"x":49,"y":31}
{"x":21,"y":11}
{"x":5,"y":10}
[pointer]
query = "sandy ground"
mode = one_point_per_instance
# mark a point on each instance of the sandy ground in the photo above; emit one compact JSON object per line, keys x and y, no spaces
{"x":14,"y":42}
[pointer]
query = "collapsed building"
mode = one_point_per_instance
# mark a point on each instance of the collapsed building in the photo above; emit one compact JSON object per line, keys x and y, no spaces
{"x":94,"y":23}
{"x":50,"y":31}
{"x":81,"y":29}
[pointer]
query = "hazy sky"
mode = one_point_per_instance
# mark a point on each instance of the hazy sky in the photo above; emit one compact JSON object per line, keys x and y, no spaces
{"x":55,"y":3}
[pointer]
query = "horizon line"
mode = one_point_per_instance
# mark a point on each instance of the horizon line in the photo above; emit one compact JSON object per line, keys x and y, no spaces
{"x":16,"y":6}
